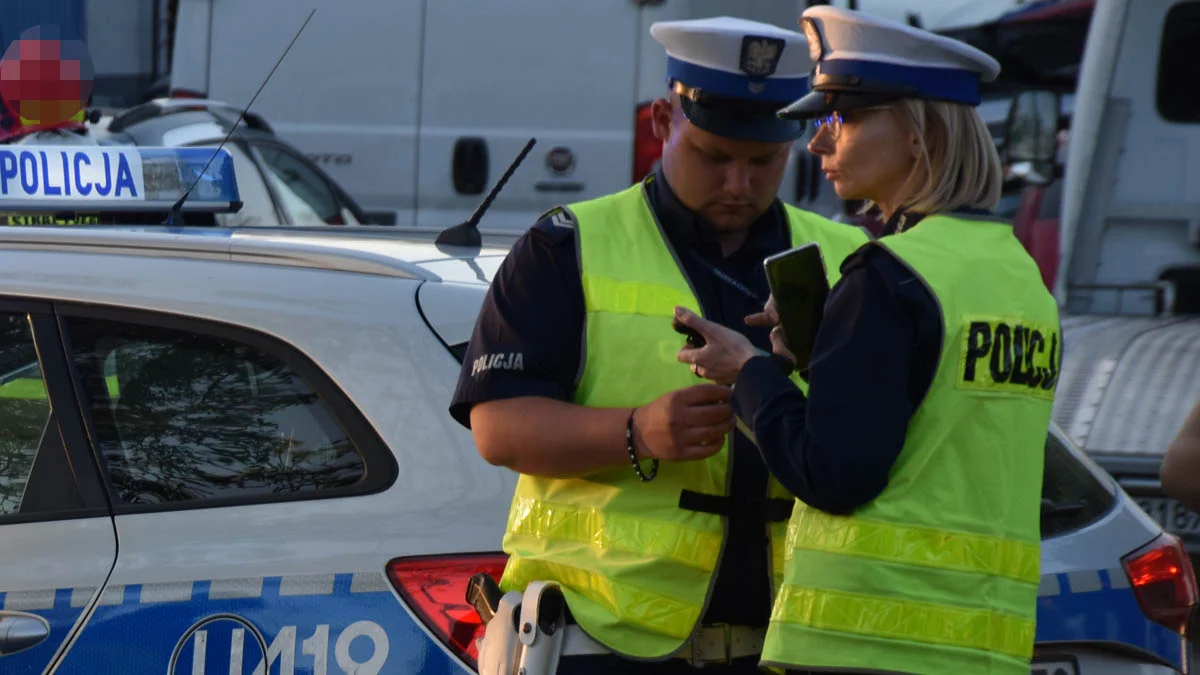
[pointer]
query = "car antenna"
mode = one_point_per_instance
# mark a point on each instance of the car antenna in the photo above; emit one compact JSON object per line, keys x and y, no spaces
{"x":177,"y":208}
{"x":467,"y":233}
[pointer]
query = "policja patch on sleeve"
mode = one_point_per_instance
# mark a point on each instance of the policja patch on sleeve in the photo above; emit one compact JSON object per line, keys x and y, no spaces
{"x":1009,"y":355}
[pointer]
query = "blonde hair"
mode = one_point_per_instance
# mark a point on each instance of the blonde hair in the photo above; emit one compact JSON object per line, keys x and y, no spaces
{"x":959,"y":158}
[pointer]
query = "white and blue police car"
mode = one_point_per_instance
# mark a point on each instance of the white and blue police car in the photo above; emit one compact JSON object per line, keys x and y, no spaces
{"x":227,"y":451}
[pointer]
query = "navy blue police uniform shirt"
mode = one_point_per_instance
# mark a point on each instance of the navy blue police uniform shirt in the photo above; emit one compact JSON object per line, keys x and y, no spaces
{"x":879,"y":347}
{"x":535,"y":308}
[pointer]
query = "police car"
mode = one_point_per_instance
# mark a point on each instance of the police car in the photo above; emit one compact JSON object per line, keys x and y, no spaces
{"x":279,"y":185}
{"x":223,"y":449}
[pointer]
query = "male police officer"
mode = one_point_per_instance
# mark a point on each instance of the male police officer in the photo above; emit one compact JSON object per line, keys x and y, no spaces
{"x":655,"y":560}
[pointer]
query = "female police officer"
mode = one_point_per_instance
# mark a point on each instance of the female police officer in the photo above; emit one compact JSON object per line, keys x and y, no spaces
{"x":917,"y":455}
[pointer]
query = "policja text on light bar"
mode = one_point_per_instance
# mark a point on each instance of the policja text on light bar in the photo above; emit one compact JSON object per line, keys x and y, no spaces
{"x":125,"y":178}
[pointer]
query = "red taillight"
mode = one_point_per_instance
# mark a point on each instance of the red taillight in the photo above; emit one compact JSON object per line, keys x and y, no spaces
{"x":1163,"y":582}
{"x":186,"y":93}
{"x":435,"y":588}
{"x":646,"y":148}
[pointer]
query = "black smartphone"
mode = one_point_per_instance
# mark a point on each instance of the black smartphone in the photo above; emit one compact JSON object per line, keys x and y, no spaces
{"x":799,"y":283}
{"x":694,"y":339}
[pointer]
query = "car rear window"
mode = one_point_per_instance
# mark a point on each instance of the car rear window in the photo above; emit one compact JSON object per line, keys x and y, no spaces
{"x":183,"y":416}
{"x":1072,"y":497}
{"x":24,"y":410}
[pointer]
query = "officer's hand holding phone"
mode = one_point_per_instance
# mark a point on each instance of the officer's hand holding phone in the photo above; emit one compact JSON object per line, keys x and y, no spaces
{"x":723,"y":354}
{"x":799,"y":286}
{"x":769,"y":318}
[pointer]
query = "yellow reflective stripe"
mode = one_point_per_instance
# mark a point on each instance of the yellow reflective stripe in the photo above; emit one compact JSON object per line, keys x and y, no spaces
{"x":632,"y":297}
{"x":854,"y":613}
{"x":780,"y":552}
{"x":790,"y":643}
{"x":908,"y":544}
{"x":608,"y":531}
{"x":650,"y":610}
{"x":34,"y":388}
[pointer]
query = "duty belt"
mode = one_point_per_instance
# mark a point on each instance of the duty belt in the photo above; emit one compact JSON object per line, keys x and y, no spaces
{"x":717,"y":644}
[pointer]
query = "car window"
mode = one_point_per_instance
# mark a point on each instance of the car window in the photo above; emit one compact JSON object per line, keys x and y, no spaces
{"x":258,"y":209}
{"x":24,"y":409}
{"x":186,"y":417}
{"x":306,"y":196}
{"x":1072,"y":496}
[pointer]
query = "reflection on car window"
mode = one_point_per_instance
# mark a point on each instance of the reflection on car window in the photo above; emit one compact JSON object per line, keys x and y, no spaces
{"x":188,"y":417}
{"x":257,"y":205}
{"x":306,"y":197}
{"x":1074,"y":496}
{"x":1023,"y":134}
{"x":24,"y":409}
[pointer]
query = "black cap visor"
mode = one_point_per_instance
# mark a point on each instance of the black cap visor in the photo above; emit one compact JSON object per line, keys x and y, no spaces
{"x":741,"y":123}
{"x":821,"y":103}
{"x":843,"y":93}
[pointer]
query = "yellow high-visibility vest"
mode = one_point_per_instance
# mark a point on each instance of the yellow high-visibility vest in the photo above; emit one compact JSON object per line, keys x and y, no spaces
{"x":938,"y":575}
{"x":636,"y":568}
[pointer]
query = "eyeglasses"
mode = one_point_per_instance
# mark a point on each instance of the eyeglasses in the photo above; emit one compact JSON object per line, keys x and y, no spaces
{"x":832,"y":120}
{"x":835,"y":119}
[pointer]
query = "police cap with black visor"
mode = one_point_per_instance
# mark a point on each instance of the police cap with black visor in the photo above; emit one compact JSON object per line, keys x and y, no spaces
{"x":862,"y":61}
{"x":732,"y":75}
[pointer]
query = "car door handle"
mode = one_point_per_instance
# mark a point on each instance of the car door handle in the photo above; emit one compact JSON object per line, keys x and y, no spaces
{"x":20,"y":631}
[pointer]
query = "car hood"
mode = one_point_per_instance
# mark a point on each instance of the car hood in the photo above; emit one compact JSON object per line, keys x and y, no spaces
{"x":450,"y":309}
{"x":477,"y":270}
{"x":456,"y":279}
{"x":421,"y":258}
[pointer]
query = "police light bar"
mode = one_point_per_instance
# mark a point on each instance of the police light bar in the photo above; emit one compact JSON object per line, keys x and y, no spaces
{"x":116,"y":178}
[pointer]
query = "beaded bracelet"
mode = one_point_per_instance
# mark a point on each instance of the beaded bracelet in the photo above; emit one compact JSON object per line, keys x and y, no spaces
{"x":633,"y":458}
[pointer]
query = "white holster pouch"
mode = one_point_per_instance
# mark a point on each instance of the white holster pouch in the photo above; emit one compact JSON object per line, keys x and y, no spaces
{"x":525,"y":637}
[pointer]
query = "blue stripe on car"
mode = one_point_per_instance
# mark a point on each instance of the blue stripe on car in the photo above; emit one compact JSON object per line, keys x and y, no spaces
{"x":1091,"y":605}
{"x":345,"y":622}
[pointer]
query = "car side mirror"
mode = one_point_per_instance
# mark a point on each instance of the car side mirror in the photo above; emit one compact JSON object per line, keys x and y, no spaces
{"x":1031,"y":129}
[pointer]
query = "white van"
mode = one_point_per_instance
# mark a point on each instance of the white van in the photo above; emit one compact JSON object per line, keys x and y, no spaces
{"x":417,"y":107}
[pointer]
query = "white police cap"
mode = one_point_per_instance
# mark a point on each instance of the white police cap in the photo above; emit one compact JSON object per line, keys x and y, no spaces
{"x":864,"y":60}
{"x":733,"y":74}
